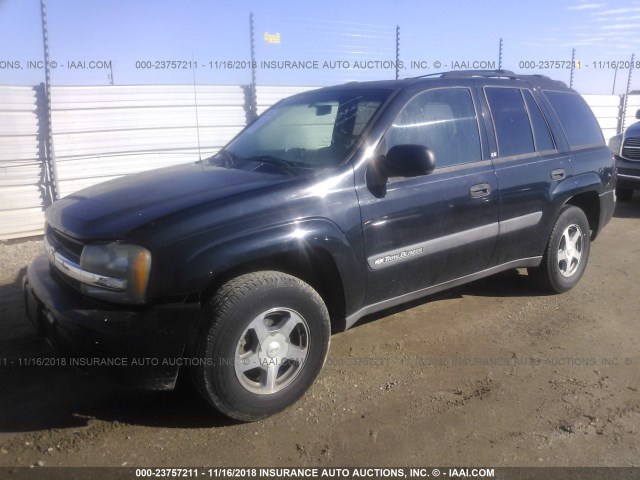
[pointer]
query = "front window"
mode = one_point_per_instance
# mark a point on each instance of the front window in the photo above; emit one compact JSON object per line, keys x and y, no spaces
{"x":314,"y":130}
{"x":442,"y":119}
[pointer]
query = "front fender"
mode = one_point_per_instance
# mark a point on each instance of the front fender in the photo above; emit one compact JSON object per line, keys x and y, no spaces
{"x":210,"y":261}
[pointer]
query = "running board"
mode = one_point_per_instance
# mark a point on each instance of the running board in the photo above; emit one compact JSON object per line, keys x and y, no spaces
{"x":408,"y":297}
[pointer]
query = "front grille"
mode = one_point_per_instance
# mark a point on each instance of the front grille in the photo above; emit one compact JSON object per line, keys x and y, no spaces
{"x":631,"y":149}
{"x":71,"y":282}
{"x":68,"y":247}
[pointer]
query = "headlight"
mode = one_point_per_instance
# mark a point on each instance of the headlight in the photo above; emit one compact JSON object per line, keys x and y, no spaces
{"x":615,"y":144}
{"x":120,"y":261}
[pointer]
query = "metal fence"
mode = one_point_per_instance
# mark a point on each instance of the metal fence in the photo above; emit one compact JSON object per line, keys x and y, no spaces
{"x":23,"y":176}
{"x":103,"y":132}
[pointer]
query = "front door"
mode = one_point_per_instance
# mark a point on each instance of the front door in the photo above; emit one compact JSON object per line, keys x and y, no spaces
{"x":430,"y":229}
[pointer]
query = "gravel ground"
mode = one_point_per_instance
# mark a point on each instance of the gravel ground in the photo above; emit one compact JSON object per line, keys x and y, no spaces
{"x":489,"y":374}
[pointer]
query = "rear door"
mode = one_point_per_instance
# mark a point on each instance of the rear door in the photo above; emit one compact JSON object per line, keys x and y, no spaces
{"x":528,"y":165}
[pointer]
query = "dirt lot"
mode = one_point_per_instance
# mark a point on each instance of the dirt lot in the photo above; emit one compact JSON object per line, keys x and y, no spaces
{"x":490,"y":374}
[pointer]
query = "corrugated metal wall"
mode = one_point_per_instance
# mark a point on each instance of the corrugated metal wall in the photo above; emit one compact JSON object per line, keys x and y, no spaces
{"x":606,"y":108}
{"x":102,"y":132}
{"x":23,"y":191}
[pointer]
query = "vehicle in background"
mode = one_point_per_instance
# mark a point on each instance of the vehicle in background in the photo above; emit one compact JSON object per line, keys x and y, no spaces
{"x":626,"y":148}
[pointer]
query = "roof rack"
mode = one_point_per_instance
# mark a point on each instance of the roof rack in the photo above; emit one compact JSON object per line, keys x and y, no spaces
{"x":473,"y":73}
{"x":426,"y":75}
{"x":536,"y":79}
{"x":481,"y":73}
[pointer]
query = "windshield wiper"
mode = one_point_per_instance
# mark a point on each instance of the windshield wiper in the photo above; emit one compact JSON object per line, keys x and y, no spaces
{"x":271,"y":160}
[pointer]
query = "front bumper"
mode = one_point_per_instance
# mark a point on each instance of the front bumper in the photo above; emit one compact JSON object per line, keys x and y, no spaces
{"x":137,"y":348}
{"x":628,"y":173}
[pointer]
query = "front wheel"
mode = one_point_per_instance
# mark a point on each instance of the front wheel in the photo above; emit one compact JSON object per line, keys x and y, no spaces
{"x":567,"y":252}
{"x":262,"y":342}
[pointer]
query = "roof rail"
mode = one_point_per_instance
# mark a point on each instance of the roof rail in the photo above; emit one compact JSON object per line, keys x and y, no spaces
{"x":540,"y":80}
{"x":481,"y":73}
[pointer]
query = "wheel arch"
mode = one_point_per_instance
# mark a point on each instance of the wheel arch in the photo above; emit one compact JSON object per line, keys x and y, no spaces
{"x":313,"y":266}
{"x":315,"y":250}
{"x":583,"y":191}
{"x":589,"y":203}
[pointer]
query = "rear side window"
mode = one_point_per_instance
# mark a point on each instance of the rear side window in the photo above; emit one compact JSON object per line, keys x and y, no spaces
{"x":511,"y":121}
{"x":443,"y":120}
{"x":577,"y":119}
{"x":541,"y":133}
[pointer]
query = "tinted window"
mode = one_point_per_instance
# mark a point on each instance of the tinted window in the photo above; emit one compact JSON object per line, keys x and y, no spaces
{"x":511,"y":121}
{"x":443,"y":120}
{"x":577,"y":119}
{"x":540,"y":128}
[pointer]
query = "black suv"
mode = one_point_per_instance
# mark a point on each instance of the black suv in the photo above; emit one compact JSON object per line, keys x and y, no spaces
{"x":334,"y":204}
{"x":626,"y":148}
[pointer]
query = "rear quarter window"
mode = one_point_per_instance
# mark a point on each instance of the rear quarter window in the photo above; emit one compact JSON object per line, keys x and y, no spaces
{"x":578,"y":122}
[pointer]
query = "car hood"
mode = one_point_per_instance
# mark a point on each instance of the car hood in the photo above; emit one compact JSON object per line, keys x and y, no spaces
{"x":633,"y":130}
{"x":112,"y":209}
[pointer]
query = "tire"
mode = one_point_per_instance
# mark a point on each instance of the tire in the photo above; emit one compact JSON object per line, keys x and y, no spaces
{"x":624,"y":194}
{"x":558,"y":275}
{"x":262,"y":341}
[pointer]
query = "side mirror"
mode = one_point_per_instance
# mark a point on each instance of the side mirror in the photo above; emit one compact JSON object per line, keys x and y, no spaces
{"x":408,"y":161}
{"x":400,"y":161}
{"x":322,"y":110}
{"x":638,"y":114}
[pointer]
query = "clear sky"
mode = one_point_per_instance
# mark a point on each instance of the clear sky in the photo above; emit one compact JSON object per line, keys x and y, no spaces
{"x":133,"y":35}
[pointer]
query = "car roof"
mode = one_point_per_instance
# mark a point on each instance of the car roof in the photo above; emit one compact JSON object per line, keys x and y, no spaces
{"x":469,"y":77}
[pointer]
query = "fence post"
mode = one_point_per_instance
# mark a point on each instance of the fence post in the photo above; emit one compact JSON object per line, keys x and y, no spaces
{"x":620,"y":125}
{"x":573,"y":65}
{"x":397,"y":52}
{"x":250,"y":100}
{"x":626,"y":93}
{"x":50,"y":153}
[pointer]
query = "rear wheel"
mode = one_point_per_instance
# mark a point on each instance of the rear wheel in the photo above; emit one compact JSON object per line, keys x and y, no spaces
{"x":567,"y":252}
{"x":262,"y":342}
{"x":624,"y":194}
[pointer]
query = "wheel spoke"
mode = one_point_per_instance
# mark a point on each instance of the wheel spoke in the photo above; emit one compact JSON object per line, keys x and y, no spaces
{"x":261,"y":329}
{"x":562,"y":255}
{"x":289,"y":324}
{"x":269,"y":375}
{"x":296,"y":353}
{"x":574,"y":238}
{"x":577,"y":254}
{"x":248,"y":361}
{"x":563,"y":269}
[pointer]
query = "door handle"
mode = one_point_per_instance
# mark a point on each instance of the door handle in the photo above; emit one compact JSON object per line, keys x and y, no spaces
{"x":558,"y":174}
{"x":480,"y":190}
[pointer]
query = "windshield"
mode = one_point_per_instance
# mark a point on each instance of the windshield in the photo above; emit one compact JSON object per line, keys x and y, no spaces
{"x":313,"y":130}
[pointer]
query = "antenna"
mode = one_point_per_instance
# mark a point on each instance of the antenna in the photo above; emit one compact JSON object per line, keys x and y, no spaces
{"x":195,"y":98}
